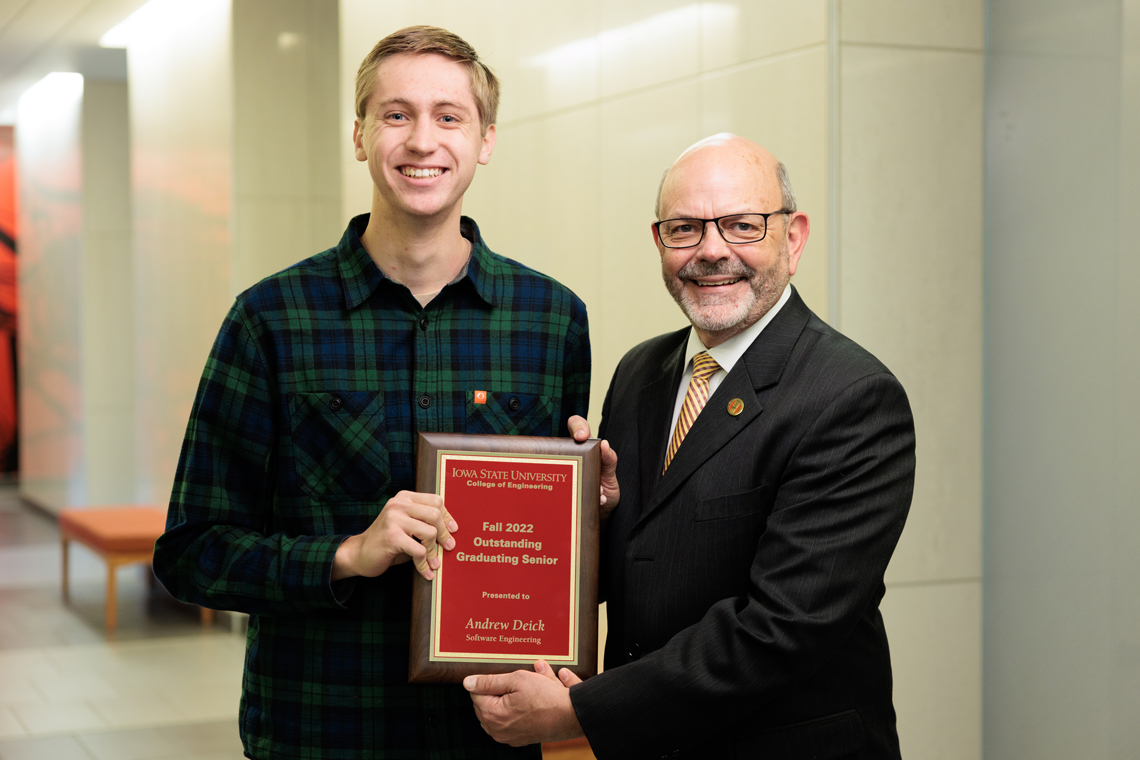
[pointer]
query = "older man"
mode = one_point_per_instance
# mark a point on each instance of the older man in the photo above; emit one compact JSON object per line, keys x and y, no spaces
{"x":766,"y":471}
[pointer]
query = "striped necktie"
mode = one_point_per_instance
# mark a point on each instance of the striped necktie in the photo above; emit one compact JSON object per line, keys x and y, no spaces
{"x":704,"y":367}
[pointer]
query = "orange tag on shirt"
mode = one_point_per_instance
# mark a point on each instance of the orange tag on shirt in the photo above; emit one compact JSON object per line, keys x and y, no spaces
{"x":480,"y":397}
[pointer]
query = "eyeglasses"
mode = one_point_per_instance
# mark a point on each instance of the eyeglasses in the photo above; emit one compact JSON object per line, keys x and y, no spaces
{"x":736,"y":229}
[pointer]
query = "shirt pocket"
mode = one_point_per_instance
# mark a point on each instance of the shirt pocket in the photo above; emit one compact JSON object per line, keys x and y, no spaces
{"x":509,"y":413}
{"x":340,"y":447}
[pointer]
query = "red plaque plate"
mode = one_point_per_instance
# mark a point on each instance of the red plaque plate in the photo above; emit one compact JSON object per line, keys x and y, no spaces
{"x":520,"y":583}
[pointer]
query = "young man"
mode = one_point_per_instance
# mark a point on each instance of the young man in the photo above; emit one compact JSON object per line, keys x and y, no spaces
{"x":292,"y":499}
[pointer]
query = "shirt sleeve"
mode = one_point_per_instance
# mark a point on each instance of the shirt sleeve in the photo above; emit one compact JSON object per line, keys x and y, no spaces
{"x":576,"y":368}
{"x":216,"y":551}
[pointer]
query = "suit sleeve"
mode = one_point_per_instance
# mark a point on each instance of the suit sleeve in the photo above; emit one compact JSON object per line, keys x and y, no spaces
{"x":818,"y":568}
{"x":603,"y":561}
{"x":216,"y":551}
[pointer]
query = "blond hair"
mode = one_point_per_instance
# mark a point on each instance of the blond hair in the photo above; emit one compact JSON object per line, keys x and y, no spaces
{"x":431,"y":39}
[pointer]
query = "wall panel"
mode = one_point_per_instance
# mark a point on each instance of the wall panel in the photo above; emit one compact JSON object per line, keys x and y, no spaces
{"x":235,"y":176}
{"x":182,"y":183}
{"x":50,"y":160}
{"x":107,"y":336}
{"x":1062,"y":606}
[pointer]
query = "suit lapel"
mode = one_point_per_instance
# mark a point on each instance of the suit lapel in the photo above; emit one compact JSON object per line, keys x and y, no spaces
{"x":760,"y":367}
{"x":655,"y":412}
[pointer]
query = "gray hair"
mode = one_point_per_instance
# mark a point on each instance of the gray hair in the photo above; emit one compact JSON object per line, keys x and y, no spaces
{"x":787,"y":195}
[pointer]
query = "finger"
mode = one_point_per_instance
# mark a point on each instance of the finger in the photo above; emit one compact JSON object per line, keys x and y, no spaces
{"x":424,"y":569}
{"x":609,"y":458}
{"x":492,"y":685}
{"x":414,"y":502}
{"x":543,"y":669}
{"x":568,"y":677}
{"x":578,"y":427}
{"x":433,"y":525}
{"x":421,"y":497}
{"x":418,"y":553}
{"x":479,"y":702}
{"x":417,"y":540}
{"x":449,"y":521}
{"x":434,"y":500}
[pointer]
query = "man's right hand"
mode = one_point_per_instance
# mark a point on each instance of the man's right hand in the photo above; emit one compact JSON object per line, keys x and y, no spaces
{"x":611,"y":494}
{"x":409,"y":527}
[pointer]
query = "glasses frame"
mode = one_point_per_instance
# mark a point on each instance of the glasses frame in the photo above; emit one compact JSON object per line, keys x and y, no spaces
{"x":716,"y":223}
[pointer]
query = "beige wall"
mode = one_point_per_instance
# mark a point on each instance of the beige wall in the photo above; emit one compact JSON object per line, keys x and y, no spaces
{"x":1062,"y":597}
{"x":75,"y":327}
{"x":909,"y":279}
{"x":50,"y":177}
{"x":107,"y":333}
{"x":181,"y":166}
{"x":235,"y":177}
{"x":286,"y":123}
{"x":876,"y":108}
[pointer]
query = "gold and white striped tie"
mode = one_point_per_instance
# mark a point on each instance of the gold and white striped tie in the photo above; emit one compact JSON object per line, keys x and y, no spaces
{"x":704,"y":367}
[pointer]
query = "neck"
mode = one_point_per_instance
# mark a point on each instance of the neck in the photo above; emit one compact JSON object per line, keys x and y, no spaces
{"x":425,"y":254}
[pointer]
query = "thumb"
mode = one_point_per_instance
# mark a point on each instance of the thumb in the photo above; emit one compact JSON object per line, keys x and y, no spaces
{"x":495,"y":685}
{"x":568,"y":678}
{"x":543,"y":669}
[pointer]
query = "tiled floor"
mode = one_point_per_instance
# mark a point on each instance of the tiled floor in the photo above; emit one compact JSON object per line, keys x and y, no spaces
{"x":161,"y":687}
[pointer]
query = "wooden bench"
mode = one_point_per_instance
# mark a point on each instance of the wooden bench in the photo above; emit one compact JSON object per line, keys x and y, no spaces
{"x":121,"y":535}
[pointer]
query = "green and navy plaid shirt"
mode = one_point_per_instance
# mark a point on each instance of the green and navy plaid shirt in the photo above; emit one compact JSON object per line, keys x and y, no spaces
{"x":303,"y":427}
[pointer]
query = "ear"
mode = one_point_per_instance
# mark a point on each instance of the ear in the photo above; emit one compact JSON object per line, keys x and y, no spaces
{"x":657,"y":238}
{"x":798,"y":229}
{"x":488,"y":145}
{"x":358,"y":140}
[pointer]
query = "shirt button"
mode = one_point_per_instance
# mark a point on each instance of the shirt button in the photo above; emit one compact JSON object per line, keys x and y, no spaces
{"x":336,"y":403}
{"x":424,"y":323}
{"x":514,"y":404}
{"x":425,"y":402}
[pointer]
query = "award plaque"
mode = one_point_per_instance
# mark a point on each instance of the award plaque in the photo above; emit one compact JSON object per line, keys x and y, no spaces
{"x":521,"y":583}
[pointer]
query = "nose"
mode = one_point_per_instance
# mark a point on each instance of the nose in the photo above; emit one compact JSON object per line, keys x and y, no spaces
{"x":421,"y":139}
{"x":713,"y":245}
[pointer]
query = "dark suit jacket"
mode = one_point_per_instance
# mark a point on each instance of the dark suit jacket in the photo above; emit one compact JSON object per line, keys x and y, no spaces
{"x":743,"y":586}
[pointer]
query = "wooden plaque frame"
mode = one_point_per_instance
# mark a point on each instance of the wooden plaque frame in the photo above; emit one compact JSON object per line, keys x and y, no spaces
{"x":423,"y":668}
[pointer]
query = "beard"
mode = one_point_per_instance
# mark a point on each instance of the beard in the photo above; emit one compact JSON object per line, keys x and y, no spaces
{"x":720,"y":313}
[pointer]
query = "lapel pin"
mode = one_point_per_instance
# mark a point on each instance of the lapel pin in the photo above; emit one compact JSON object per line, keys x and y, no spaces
{"x":735,"y":407}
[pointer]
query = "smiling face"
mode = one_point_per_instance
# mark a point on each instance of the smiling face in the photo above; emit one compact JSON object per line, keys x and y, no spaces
{"x":724,"y":288}
{"x":421,"y":137}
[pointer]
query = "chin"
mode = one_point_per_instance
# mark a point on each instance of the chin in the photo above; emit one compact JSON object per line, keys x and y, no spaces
{"x":715,"y":314}
{"x":716,"y":319}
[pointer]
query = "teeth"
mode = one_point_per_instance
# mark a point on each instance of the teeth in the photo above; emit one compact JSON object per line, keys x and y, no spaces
{"x":718,"y":284}
{"x":411,"y":171}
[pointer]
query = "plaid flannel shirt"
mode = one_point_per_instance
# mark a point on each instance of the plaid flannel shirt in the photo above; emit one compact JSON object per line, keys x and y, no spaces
{"x":304,"y":425}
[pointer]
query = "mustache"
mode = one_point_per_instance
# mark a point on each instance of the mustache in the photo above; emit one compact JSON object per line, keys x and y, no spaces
{"x":722,"y":268}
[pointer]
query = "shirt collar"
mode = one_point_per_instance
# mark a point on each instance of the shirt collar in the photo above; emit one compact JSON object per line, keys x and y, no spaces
{"x":727,"y":354}
{"x":360,"y":276}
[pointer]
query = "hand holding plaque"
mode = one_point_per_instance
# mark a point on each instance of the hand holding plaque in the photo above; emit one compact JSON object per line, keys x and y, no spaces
{"x":521,"y":582}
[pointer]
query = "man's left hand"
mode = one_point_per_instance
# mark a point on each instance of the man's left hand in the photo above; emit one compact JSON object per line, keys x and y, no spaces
{"x":523,"y":708}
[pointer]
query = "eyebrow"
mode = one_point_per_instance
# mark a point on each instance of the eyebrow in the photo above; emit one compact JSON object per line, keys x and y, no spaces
{"x":435,"y":105}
